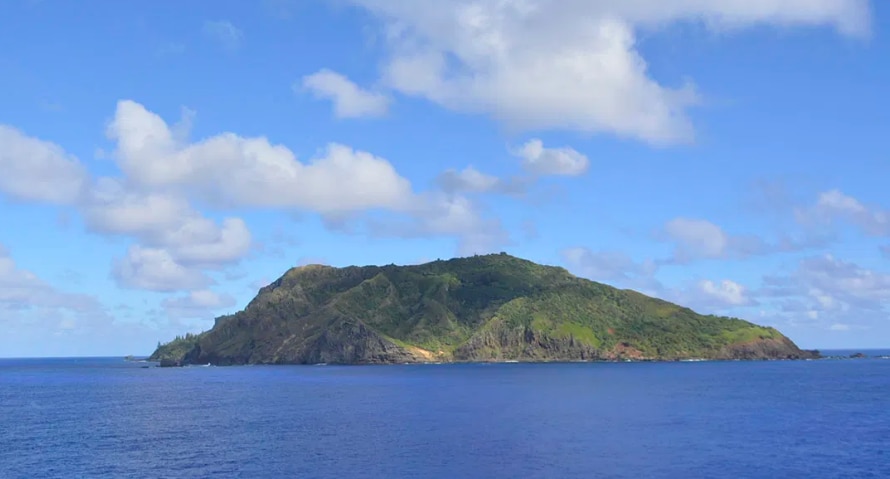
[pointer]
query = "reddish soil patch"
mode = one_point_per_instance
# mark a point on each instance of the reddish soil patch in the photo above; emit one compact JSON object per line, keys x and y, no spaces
{"x":626,"y":351}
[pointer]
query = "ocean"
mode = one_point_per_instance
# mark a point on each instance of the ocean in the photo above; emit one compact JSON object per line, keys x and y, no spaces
{"x":106,"y":417}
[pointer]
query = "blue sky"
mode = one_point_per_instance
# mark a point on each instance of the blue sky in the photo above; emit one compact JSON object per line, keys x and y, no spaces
{"x":158,"y":166}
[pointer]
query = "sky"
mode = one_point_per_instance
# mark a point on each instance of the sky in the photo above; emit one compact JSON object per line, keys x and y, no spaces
{"x":158,"y":165}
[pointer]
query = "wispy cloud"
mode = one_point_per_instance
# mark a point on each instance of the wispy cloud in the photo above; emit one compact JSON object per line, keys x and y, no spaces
{"x":228,"y":35}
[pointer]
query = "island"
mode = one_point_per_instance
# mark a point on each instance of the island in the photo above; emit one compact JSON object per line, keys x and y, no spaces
{"x":482,"y":308}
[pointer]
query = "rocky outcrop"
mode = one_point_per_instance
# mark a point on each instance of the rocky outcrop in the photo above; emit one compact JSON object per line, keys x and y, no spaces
{"x":341,"y":342}
{"x":782,"y":348}
{"x":500,"y":343}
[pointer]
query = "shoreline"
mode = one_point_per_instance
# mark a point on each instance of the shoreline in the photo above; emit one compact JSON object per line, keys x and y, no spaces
{"x":525,"y":362}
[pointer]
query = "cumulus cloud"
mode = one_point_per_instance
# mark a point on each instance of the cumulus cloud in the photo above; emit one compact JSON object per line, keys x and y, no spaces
{"x":197,"y":304}
{"x":826,"y":290}
{"x":343,"y":185}
{"x":166,"y":221}
{"x":563,"y":161}
{"x":536,"y":160}
{"x":229,"y":170}
{"x":445,"y":215}
{"x":697,"y":237}
{"x":545,"y":64}
{"x":708,"y":296}
{"x":831,"y":281}
{"x":37,"y":170}
{"x":175,"y":242}
{"x":350,"y":100}
{"x":224,"y":32}
{"x":155,"y":269}
{"x":164,"y":172}
{"x":725,"y":293}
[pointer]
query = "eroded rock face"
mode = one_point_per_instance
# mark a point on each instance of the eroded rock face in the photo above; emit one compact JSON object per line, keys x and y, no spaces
{"x":352,"y":343}
{"x":502,"y":344}
{"x":343,"y":342}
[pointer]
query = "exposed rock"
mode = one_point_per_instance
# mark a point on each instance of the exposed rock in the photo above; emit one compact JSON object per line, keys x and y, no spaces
{"x":170,"y":363}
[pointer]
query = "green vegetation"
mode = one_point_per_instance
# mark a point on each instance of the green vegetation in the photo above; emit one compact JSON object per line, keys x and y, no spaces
{"x":492,"y":307}
{"x":176,"y":349}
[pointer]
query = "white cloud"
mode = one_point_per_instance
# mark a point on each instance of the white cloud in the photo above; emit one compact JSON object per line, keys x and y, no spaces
{"x":228,"y":35}
{"x":471,"y":180}
{"x":698,"y":238}
{"x":709,"y":297}
{"x":449,"y":216}
{"x":552,"y":161}
{"x":350,"y":101}
{"x":197,"y":304}
{"x":36,"y":170}
{"x":829,"y":291}
{"x":230,"y":170}
{"x":844,"y":280}
{"x":165,"y":221}
{"x":726,"y":293}
{"x":569,"y":64}
{"x":23,"y":290}
{"x":834,"y":205}
{"x":163,"y":172}
{"x":536,"y":159}
{"x":620,"y":270}
{"x":155,"y":269}
{"x":202,"y":242}
{"x":227,"y":170}
{"x":110,"y":208}
{"x":615,"y":268}
{"x":838,"y":202}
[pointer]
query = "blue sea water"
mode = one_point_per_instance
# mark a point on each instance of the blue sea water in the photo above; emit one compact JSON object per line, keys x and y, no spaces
{"x":106,"y":417}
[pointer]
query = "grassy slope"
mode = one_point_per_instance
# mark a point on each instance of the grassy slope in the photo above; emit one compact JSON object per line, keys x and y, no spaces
{"x":440,"y":306}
